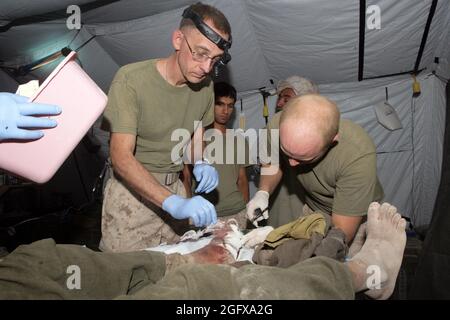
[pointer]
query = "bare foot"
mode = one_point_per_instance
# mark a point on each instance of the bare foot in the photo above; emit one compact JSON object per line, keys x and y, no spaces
{"x":377,"y":264}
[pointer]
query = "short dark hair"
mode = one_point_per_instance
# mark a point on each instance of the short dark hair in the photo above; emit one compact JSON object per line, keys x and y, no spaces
{"x":208,"y":12}
{"x":223,"y":89}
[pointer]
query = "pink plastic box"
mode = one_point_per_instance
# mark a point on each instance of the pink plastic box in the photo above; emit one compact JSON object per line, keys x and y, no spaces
{"x":82,"y":102}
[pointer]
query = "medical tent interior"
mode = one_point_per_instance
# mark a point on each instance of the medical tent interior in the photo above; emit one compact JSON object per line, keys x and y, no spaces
{"x":359,"y":53}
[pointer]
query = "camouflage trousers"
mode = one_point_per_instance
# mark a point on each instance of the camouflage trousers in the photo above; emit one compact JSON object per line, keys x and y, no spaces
{"x":130,"y":222}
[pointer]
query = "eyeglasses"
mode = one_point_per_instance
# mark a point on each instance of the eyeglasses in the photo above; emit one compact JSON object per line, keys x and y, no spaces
{"x":201,"y":57}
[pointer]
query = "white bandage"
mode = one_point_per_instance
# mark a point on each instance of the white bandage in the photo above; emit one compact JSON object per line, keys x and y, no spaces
{"x":256,"y":236}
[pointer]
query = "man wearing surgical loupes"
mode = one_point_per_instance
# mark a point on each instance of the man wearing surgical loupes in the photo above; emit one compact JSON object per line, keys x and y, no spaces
{"x":145,"y":202}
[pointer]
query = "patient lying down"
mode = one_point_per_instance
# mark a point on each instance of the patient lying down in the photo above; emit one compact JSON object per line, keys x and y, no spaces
{"x":220,"y":243}
{"x":380,"y":242}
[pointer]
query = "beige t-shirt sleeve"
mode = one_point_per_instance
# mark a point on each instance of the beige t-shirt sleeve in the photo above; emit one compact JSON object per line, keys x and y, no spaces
{"x":356,"y":187}
{"x":122,"y":111}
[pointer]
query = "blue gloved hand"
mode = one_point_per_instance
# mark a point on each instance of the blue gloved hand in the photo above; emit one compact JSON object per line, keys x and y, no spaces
{"x":206,"y":176}
{"x":200,"y":210}
{"x":16,"y":113}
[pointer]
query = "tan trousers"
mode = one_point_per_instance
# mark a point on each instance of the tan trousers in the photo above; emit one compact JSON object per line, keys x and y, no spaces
{"x":131,"y":223}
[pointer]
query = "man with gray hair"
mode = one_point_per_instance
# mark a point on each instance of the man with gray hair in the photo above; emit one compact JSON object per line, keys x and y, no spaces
{"x":287,"y":199}
{"x":145,"y":202}
{"x":292,"y":87}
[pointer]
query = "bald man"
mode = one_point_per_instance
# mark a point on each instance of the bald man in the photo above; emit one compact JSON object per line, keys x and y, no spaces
{"x":334,"y":160}
{"x":287,"y":200}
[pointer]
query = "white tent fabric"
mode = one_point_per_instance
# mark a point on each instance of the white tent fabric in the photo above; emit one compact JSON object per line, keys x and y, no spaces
{"x":274,"y":39}
{"x":11,"y":9}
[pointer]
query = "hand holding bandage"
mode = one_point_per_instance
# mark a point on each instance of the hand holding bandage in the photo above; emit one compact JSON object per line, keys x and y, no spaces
{"x":256,"y":236}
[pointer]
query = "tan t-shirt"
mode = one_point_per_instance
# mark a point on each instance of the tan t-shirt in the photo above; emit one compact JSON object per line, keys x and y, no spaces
{"x":345,"y":181}
{"x":142,"y":103}
{"x":227,"y":198}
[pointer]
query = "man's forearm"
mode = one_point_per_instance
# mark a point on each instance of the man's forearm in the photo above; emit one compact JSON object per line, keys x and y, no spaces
{"x":196,"y":146}
{"x":348,"y":224}
{"x":244,"y":189}
{"x":187,"y":180}
{"x":142,"y":181}
{"x":268,"y":182}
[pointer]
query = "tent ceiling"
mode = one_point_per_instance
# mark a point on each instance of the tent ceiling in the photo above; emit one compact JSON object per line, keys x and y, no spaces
{"x":272,"y":39}
{"x":16,"y":9}
{"x":135,"y":9}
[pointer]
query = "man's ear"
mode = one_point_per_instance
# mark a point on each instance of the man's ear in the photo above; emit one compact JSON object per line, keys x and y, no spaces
{"x":336,"y":138}
{"x":177,"y":39}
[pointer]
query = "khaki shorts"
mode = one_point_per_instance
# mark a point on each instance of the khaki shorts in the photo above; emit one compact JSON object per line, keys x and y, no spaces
{"x":130,"y":223}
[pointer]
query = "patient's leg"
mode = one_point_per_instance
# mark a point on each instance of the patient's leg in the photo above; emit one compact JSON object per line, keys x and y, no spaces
{"x":213,"y":253}
{"x":358,"y":241}
{"x":382,"y":250}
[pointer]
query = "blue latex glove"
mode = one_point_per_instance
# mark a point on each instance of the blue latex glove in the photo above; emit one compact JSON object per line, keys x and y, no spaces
{"x":16,"y":113}
{"x":200,"y":210}
{"x":206,"y":176}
